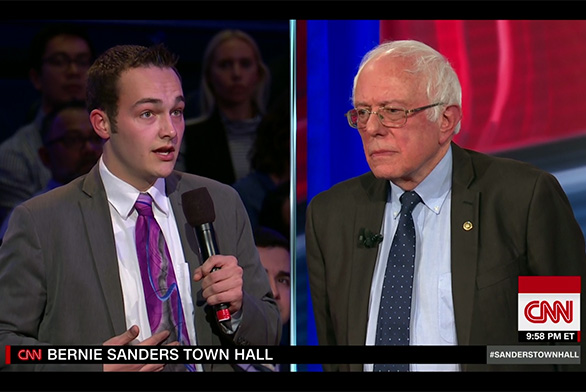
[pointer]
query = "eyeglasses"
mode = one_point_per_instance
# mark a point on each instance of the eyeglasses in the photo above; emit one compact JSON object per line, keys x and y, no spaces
{"x":388,"y":116}
{"x":77,"y":141}
{"x":63,"y":61}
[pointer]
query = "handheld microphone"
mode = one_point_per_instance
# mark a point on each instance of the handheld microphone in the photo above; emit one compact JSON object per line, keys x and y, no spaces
{"x":198,"y":208}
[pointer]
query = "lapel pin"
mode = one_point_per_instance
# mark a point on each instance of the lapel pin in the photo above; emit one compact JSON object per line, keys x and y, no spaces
{"x":467,"y":226}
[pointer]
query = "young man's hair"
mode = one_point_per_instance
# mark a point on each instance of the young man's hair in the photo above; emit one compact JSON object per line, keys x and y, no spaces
{"x":105,"y":72}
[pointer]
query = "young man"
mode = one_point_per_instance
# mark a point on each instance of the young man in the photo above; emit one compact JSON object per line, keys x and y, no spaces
{"x":477,"y":223}
{"x":81,"y":283}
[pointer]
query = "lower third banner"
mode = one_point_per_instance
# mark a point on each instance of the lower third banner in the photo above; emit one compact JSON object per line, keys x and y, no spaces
{"x":248,"y":354}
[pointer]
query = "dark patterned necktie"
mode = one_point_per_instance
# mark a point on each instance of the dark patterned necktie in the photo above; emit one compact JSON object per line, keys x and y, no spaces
{"x":158,"y":277}
{"x":395,"y":304}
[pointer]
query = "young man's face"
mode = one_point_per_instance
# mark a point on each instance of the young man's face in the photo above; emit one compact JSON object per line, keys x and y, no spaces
{"x":144,"y":144}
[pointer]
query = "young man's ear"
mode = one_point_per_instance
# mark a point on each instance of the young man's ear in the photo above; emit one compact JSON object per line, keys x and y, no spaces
{"x":101,"y":123}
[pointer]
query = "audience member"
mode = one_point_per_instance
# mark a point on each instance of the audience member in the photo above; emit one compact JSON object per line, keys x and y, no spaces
{"x":270,"y":161}
{"x":92,"y":280}
{"x":275,"y":256}
{"x":234,"y":93}
{"x":59,"y":57}
{"x":70,"y":146}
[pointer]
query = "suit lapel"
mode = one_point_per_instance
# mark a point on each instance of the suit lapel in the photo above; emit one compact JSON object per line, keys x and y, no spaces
{"x":369,"y":216}
{"x":465,"y":224}
{"x":98,"y":226}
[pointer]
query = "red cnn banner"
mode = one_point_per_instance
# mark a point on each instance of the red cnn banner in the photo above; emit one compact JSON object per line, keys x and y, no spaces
{"x":549,"y":308}
{"x":24,"y":355}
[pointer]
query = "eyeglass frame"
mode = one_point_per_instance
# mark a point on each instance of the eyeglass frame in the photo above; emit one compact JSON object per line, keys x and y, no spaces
{"x":407,"y":112}
{"x":63,"y":61}
{"x":76,"y":138}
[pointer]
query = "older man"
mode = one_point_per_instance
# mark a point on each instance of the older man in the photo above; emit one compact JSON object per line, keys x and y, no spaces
{"x":427,"y":248}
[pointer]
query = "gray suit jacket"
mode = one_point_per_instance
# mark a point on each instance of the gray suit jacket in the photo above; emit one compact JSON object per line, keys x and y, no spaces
{"x":59,"y":280}
{"x":522,"y":222}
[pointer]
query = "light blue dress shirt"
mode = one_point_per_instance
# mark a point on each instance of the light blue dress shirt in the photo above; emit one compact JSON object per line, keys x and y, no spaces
{"x":432,"y":309}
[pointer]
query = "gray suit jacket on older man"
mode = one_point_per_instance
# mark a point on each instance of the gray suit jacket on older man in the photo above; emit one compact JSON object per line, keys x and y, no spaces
{"x":522,"y":224}
{"x":59,"y":279}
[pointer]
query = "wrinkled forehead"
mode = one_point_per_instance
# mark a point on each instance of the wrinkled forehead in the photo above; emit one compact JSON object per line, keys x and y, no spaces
{"x":391,"y":65}
{"x":387,"y":79}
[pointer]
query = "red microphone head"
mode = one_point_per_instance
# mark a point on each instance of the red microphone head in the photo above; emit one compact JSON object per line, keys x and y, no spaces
{"x":198,"y":207}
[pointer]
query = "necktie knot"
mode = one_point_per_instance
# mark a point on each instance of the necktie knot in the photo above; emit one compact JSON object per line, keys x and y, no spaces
{"x":144,"y":205}
{"x":408,"y":201}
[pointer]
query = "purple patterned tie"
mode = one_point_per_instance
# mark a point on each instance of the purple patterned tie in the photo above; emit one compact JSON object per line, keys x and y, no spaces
{"x":158,"y":277}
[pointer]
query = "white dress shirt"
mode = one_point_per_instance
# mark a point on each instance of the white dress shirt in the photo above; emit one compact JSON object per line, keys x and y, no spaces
{"x":121,"y":199}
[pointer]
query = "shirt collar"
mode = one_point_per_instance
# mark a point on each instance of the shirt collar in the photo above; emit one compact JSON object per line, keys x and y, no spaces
{"x":122,"y":195}
{"x":433,"y":190}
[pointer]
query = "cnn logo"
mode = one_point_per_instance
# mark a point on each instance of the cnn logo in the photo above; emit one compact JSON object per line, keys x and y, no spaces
{"x":542,"y":311}
{"x":549,"y":303}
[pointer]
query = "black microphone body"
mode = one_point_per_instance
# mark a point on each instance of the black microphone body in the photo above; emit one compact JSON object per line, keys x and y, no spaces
{"x":207,"y":240}
{"x":199,"y":211}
